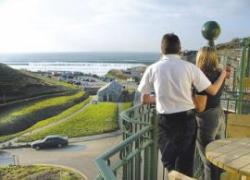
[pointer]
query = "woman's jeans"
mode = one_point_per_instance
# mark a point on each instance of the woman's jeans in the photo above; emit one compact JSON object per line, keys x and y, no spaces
{"x":211,"y":126}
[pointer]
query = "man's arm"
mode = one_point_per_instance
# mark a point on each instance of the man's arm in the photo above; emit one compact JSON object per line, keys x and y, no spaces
{"x":214,"y":88}
{"x":145,"y":88}
{"x":147,"y":99}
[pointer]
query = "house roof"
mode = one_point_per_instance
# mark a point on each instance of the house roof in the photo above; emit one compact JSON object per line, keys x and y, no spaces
{"x":108,"y":85}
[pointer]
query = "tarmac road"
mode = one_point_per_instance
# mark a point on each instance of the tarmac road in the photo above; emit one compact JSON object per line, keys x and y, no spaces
{"x":79,"y":155}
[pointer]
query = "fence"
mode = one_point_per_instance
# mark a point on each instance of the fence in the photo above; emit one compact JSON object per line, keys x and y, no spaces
{"x":136,"y":157}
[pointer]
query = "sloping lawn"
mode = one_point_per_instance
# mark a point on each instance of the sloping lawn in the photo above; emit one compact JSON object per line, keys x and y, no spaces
{"x":37,"y":172}
{"x":26,"y":116}
{"x":62,"y":115}
{"x":49,"y":81}
{"x":47,"y":121}
{"x":40,"y":105}
{"x":95,"y":119}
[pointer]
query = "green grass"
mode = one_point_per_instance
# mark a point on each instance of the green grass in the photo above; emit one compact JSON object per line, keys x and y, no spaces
{"x":50,"y":81}
{"x":18,"y":85}
{"x":47,"y":121}
{"x":117,"y":74}
{"x":125,"y":106}
{"x":8,"y":137}
{"x":62,"y":115}
{"x":65,"y":113}
{"x":95,"y":119}
{"x":37,"y":172}
{"x":25,"y":110}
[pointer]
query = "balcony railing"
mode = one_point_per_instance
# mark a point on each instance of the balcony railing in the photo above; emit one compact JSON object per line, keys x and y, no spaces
{"x":136,"y":157}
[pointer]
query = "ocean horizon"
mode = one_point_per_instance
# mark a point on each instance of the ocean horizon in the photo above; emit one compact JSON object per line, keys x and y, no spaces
{"x":87,"y":62}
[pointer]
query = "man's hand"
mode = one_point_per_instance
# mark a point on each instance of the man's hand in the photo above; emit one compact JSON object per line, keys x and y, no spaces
{"x":148,"y":99}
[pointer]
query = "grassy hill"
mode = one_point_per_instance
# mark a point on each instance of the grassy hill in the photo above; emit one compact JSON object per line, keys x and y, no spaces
{"x":45,"y":122}
{"x":27,"y":98}
{"x":117,"y":74}
{"x":125,"y":74}
{"x":18,"y":119}
{"x":15,"y":84}
{"x":38,"y":172}
{"x":95,"y":119}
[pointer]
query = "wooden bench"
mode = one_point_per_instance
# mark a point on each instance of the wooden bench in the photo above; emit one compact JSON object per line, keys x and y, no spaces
{"x":232,"y":155}
{"x":238,"y":125}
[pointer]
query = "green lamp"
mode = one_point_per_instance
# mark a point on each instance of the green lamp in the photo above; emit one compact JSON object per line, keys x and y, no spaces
{"x":210,"y":31}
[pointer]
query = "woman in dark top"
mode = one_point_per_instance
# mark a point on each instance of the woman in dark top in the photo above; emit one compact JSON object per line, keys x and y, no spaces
{"x":211,"y":122}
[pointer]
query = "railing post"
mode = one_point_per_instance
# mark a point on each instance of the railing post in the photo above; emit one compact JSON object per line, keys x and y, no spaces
{"x":243,"y":72}
{"x":154,"y":149}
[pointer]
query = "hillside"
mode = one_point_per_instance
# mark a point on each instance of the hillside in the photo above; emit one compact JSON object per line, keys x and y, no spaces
{"x":135,"y":72}
{"x":15,"y":84}
{"x":233,"y":44}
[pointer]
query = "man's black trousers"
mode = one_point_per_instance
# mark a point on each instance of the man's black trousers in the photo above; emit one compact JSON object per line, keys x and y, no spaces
{"x":177,"y":134}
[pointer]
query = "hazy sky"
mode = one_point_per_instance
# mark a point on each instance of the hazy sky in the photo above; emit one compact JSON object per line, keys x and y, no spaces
{"x":115,"y":25}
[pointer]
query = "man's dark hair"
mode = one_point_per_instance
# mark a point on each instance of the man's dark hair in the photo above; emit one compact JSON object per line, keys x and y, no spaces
{"x":170,"y":44}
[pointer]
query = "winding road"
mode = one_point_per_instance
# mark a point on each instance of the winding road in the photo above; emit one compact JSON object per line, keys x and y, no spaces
{"x":80,"y":155}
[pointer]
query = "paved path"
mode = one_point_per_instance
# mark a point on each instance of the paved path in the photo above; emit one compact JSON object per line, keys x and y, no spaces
{"x":80,"y":154}
{"x":95,"y":137}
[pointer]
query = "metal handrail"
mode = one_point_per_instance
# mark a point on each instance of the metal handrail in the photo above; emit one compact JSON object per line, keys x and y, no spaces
{"x":139,"y":149}
{"x":106,"y":171}
{"x":138,"y":152}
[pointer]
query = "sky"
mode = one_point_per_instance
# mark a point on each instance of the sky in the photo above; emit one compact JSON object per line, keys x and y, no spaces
{"x":115,"y":25}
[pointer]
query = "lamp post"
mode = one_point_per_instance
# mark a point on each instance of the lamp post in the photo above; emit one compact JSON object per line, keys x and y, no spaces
{"x":210,"y":31}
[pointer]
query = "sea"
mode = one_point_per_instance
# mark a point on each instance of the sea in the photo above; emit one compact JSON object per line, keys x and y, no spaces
{"x":98,"y":63}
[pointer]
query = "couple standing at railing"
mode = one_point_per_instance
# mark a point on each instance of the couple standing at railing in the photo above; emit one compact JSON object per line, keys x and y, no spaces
{"x":172,"y":81}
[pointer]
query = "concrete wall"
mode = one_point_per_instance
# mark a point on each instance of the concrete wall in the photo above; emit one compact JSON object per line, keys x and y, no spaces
{"x":231,"y":53}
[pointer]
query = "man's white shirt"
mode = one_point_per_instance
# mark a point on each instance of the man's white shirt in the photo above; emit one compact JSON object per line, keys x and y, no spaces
{"x":171,"y":79}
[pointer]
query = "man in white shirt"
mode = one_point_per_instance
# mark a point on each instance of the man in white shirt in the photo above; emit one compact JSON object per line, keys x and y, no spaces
{"x":171,"y":79}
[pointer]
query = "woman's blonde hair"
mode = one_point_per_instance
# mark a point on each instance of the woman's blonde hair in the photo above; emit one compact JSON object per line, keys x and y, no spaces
{"x":207,"y":60}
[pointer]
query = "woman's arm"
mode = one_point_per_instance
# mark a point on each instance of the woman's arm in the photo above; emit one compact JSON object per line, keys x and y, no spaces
{"x":200,"y":102}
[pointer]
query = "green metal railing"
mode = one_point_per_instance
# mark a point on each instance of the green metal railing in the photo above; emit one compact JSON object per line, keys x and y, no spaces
{"x":243,"y":72}
{"x":136,"y":157}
